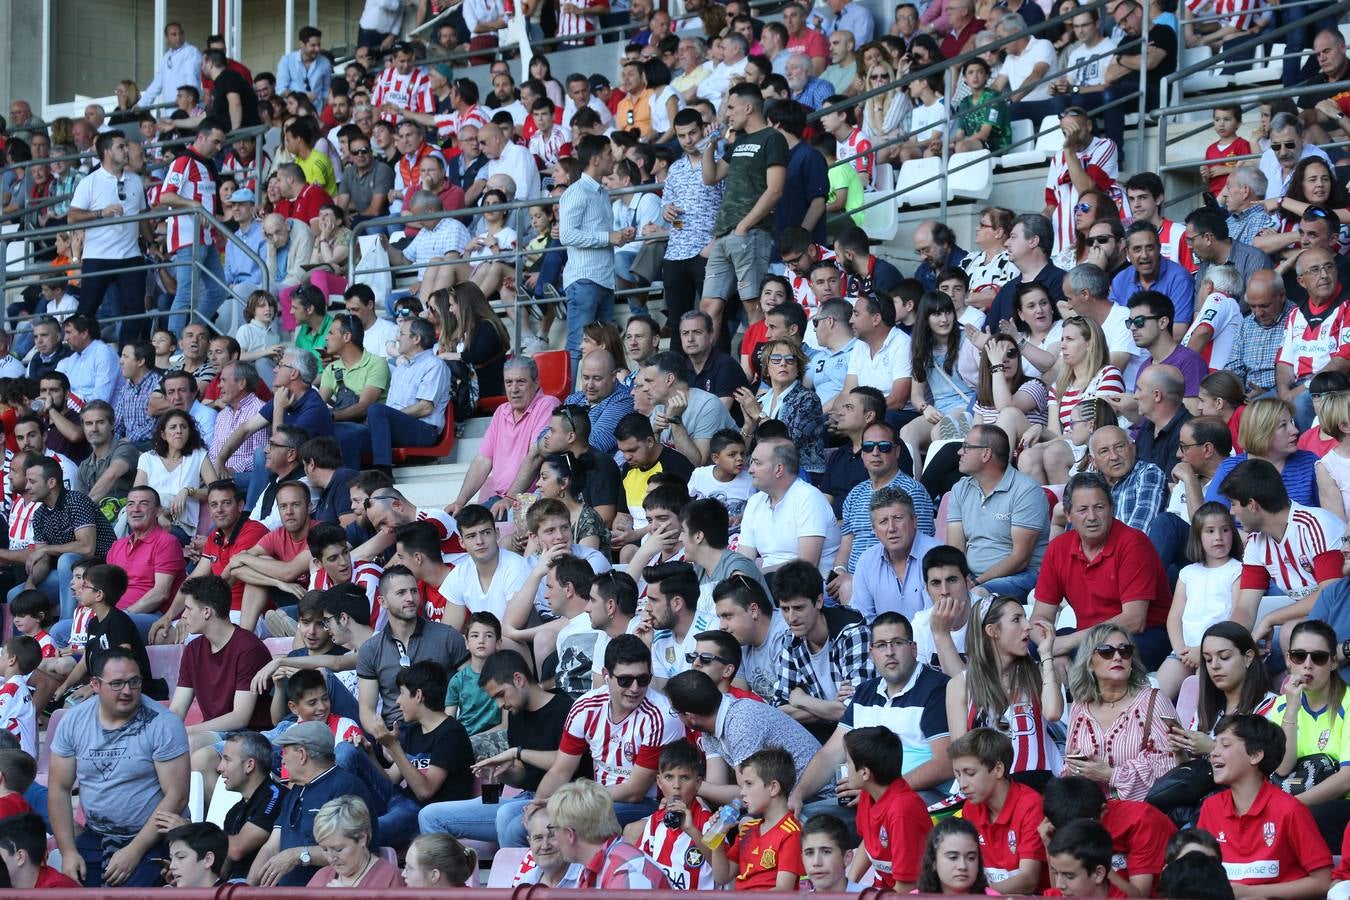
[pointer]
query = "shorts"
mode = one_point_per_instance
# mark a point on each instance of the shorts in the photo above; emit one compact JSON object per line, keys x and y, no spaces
{"x":737,"y":261}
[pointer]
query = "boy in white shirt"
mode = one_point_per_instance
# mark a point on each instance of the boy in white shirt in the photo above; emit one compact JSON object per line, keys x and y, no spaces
{"x":725,"y":479}
{"x":21,"y":656}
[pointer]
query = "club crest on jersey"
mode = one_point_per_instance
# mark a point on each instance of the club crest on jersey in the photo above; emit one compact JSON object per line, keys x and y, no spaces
{"x":884,"y":836}
{"x":1323,"y":739}
{"x":1268,"y":833}
{"x":1012,"y":842}
{"x":693,"y":859}
{"x":768,"y":859}
{"x":670,"y":654}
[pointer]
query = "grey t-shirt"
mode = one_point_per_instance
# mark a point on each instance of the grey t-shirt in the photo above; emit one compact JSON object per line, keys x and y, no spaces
{"x":749,"y":726}
{"x":363,"y":188}
{"x":119,"y":788}
{"x":382,"y":657}
{"x":705,"y":416}
{"x":731,"y":563}
{"x":763,"y":664}
{"x":92,"y":469}
{"x":1017,"y":501}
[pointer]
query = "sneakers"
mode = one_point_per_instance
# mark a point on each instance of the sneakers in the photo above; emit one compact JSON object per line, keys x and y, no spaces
{"x":954,"y":427}
{"x":534,"y":344}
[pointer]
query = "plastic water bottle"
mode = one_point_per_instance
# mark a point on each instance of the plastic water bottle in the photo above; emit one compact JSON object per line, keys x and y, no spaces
{"x":715,"y":832}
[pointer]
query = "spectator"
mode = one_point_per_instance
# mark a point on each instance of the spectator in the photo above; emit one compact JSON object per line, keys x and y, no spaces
{"x":48,"y":348}
{"x":23,"y":838}
{"x":177,"y":467}
{"x":1151,"y":270}
{"x":181,"y":64}
{"x":684,"y":417}
{"x":378,"y":334}
{"x":937,"y":248}
{"x":588,"y":834}
{"x":989,"y":266}
{"x":105,"y":474}
{"x":415,"y":412}
{"x":872,"y":275}
{"x":880,"y":457}
{"x":307,"y":70}
{"x":246,"y":767}
{"x":788,"y":400}
{"x":1260,"y":335}
{"x":1129,"y":20}
{"x":1207,"y":235}
{"x":366,"y":182}
{"x":1268,"y":432}
{"x":92,"y":366}
{"x":346,"y":821}
{"x":239,"y":388}
{"x":1029,"y":246}
{"x":151,"y":556}
{"x":746,"y":612}
{"x":788,"y":518}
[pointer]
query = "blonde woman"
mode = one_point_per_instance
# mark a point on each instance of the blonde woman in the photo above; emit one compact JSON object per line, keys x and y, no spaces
{"x":1086,"y":373}
{"x":342,"y":830}
{"x":1267,"y":431}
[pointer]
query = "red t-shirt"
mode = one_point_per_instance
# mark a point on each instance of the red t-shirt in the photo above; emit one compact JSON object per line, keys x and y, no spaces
{"x":1275,"y":841}
{"x":13,"y":804}
{"x":1139,"y":836}
{"x":279,"y":545}
{"x":306,"y":205}
{"x":754,"y":338}
{"x":1126,"y":569}
{"x":220,"y":549}
{"x":1238,"y":147}
{"x":51,"y":878}
{"x":1012,"y":836}
{"x":215,"y":676}
{"x":894,"y":830}
{"x":759,"y":857}
{"x":810,"y":42}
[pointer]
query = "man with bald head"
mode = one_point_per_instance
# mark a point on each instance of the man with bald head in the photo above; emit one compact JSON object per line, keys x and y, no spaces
{"x":1138,"y":487}
{"x":1313,"y":333}
{"x":1260,"y":334}
{"x":507,"y":158}
{"x":1159,"y":392}
{"x":569,"y":431}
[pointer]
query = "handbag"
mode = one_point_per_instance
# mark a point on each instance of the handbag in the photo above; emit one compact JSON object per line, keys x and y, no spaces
{"x":1309,"y":771}
{"x":343,"y":396}
{"x":647,"y":264}
{"x":1182,"y":789}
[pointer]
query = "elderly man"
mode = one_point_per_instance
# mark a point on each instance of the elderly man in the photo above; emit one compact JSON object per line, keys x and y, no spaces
{"x":1217,"y":316}
{"x":1287,"y":149}
{"x":843,"y":67}
{"x":997,"y":516}
{"x":1203,"y":444}
{"x":1028,"y":59}
{"x":514,"y":427}
{"x":92,"y":365}
{"x":936,"y":245}
{"x":130,"y":757}
{"x":179,"y":390}
{"x":48,"y":350}
{"x":1244,"y":198}
{"x":807,"y":88}
{"x":1260,"y":334}
{"x":1319,"y":227}
{"x":23,"y":124}
{"x":880,"y":454}
{"x":725,"y":74}
{"x":107,"y":472}
{"x":289,"y":244}
{"x":242,"y":273}
{"x":445,"y":241}
{"x":1150,"y":271}
{"x":1138,"y":487}
{"x":505,"y":158}
{"x":1107,"y":571}
{"x":684,"y":417}
{"x":239,"y":385}
{"x":414,"y":413}
{"x":1313,"y":333}
{"x":962,"y":26}
{"x":889,"y":576}
{"x":151,"y":556}
{"x":787,"y":518}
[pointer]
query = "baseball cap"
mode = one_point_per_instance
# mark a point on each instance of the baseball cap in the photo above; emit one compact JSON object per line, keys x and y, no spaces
{"x":313,"y":736}
{"x":598,"y":82}
{"x":243,"y":195}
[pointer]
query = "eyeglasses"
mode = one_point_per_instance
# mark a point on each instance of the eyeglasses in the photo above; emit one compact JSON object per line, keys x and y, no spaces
{"x":275,"y":446}
{"x":892,"y":644}
{"x":706,"y":658}
{"x":134,"y":683}
{"x":878,"y":446}
{"x":1101,"y":240}
{"x":1183,"y":446}
{"x":1111,"y":651}
{"x":877,"y":79}
{"x":1324,"y":269}
{"x":1140,"y":321}
{"x":778,"y":358}
{"x":964,"y":447}
{"x":1319,"y":657}
{"x":1283,"y":145}
{"x":626,"y":681}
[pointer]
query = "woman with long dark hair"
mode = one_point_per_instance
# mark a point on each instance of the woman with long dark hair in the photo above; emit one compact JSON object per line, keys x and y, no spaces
{"x":945,"y":363}
{"x":1232,"y":680}
{"x":478,"y":336}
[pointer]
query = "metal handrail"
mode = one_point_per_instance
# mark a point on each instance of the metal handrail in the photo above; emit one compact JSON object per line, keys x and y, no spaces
{"x":250,"y":131}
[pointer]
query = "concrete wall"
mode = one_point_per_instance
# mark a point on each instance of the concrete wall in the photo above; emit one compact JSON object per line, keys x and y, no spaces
{"x":21,"y":24}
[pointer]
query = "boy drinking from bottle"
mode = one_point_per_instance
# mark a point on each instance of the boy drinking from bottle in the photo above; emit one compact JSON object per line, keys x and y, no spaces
{"x":673,"y":835}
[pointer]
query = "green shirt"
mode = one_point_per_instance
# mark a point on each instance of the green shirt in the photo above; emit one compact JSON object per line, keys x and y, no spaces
{"x":749,"y":160}
{"x":372,"y":370}
{"x":846,"y":178}
{"x":318,"y":169}
{"x":477,"y":712}
{"x":313,"y":341}
{"x":996,"y":114}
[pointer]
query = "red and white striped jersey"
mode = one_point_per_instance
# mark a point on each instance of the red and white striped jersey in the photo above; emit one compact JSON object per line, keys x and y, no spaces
{"x":343,"y":728}
{"x":433,"y":602}
{"x":579,"y":25}
{"x":365,"y":573}
{"x":546,"y":150}
{"x":1309,"y":345}
{"x":245,"y":171}
{"x":1242,"y":14}
{"x":447,"y":530}
{"x":674,"y":851}
{"x":191,"y":178}
{"x":407,"y":174}
{"x":622,"y":867}
{"x":1309,"y":554}
{"x":1024,"y":725}
{"x":1172,"y":236}
{"x":859,"y":149}
{"x":411,"y":91}
{"x":45,"y":642}
{"x":448,"y":126}
{"x":1200,"y":7}
{"x":79,"y":627}
{"x":801,"y":285}
{"x":617,"y":747}
{"x":1102,"y":163}
{"x":17,"y":715}
{"x":21,"y":522}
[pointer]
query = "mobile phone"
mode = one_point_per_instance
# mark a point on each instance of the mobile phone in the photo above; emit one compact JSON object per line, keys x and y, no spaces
{"x":1077,"y":754}
{"x":1169,"y":722}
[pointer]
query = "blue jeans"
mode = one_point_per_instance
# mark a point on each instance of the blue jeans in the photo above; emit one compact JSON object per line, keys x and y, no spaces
{"x":354,"y":440}
{"x":126,"y":298}
{"x":474,"y":820}
{"x":1018,"y":585}
{"x":93,"y":848}
{"x":397,"y":815}
{"x":390,"y":428}
{"x":56,"y":584}
{"x":210,"y":292}
{"x":1303,"y":410}
{"x":587,"y":302}
{"x":257,"y":478}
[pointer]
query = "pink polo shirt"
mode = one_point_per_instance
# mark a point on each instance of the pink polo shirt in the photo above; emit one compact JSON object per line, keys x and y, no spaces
{"x":508,"y":441}
{"x":158,"y":552}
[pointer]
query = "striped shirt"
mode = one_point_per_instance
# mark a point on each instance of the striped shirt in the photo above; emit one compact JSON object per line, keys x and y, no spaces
{"x":617,"y":747}
{"x":621,"y":866}
{"x":411,"y":91}
{"x":858,"y":149}
{"x":191,"y":178}
{"x":1102,"y":164}
{"x":1107,"y":381}
{"x":547,"y":149}
{"x":1023,"y":724}
{"x":675,"y":852}
{"x":21,"y":522}
{"x":604,"y":415}
{"x":367,"y":574}
{"x":1309,"y":346}
{"x":1172,"y":237}
{"x":1242,"y":14}
{"x":583,"y":228}
{"x":227,"y":420}
{"x":448,"y":126}
{"x":1309,"y":553}
{"x":17,"y":715}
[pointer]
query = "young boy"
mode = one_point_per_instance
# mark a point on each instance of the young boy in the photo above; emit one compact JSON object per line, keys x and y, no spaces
{"x":464,"y":699}
{"x":1226,"y":122}
{"x":17,"y":771}
{"x":20,"y":658}
{"x":198,"y":852}
{"x":892,"y":821}
{"x":32,"y":612}
{"x":724,"y":479}
{"x":1080,"y":861}
{"x":689,"y":863}
{"x":549,"y":141}
{"x":1139,"y":832}
{"x":768,"y":853}
{"x":1006,"y":814}
{"x":1267,"y":836}
{"x":827,"y":852}
{"x":846,"y":185}
{"x":23,"y":848}
{"x":955,"y":283}
{"x":850,"y":143}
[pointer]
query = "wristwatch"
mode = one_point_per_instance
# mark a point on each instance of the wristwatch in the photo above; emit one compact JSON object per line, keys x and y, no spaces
{"x":1345,"y":649}
{"x":305,"y":858}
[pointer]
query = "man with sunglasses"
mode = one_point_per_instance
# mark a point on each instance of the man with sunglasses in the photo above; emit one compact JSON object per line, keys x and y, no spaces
{"x":110,"y":191}
{"x":1151,"y":326}
{"x":828,"y":369}
{"x":1287,"y":149}
{"x":366,"y":182}
{"x":1107,"y":571}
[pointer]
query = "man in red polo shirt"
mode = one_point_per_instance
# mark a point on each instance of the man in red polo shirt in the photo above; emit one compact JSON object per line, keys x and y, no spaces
{"x":1266,"y":837}
{"x":1107,"y":571}
{"x":234,"y":533}
{"x":1006,"y":814}
{"x":300,"y":199}
{"x":277,"y":567}
{"x":151,"y":557}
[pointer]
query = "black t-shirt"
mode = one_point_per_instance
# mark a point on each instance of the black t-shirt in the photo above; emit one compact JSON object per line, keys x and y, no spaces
{"x":231,"y":82}
{"x":721,"y":375}
{"x":602,"y":485}
{"x":1163,"y":37}
{"x":539,"y":730}
{"x":115,"y":631}
{"x":448,"y":747}
{"x":262,"y":810}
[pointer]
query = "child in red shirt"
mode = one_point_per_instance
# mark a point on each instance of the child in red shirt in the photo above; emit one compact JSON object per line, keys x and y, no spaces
{"x":1226,"y":122}
{"x":768,"y":849}
{"x":1006,"y":814}
{"x":23,"y":847}
{"x":1080,"y":861}
{"x":892,"y":821}
{"x":1266,"y":836}
{"x":17,"y":771}
{"x":1139,"y":832}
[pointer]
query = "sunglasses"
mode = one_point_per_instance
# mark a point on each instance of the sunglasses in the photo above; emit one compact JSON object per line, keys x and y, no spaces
{"x":877,"y":446}
{"x":1111,"y":651}
{"x":1101,"y":240}
{"x":706,"y":658}
{"x":360,"y":151}
{"x":776,"y":358}
{"x":1319,"y":657}
{"x":1083,"y":208}
{"x":370,"y":500}
{"x":1140,"y":321}
{"x":1283,"y":145}
{"x":626,"y":681}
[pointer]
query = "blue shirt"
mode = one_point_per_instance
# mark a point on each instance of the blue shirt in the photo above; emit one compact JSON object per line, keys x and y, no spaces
{"x":604,"y":415}
{"x":1299,"y":476}
{"x":583,"y":228}
{"x":1333,"y":607}
{"x":239,"y":266}
{"x":425,"y":377}
{"x":829,"y":368}
{"x":815,"y":93}
{"x":917,"y":714}
{"x":858,"y":513}
{"x":294,"y":75}
{"x":309,"y":798}
{"x":929,"y":275}
{"x":854,"y":18}
{"x":876,"y":589}
{"x":1173,"y":280}
{"x":309,"y":413}
{"x":698,"y":204}
{"x":809,"y":178}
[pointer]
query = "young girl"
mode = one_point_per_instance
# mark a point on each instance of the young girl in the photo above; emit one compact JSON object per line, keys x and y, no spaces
{"x":945,"y":363}
{"x":1333,"y":469}
{"x":260,"y":336}
{"x":544,"y":261}
{"x":1312,"y":714}
{"x":1006,"y":396}
{"x":773,"y":290}
{"x":1206,"y":591}
{"x":561,"y":477}
{"x":1232,"y":680}
{"x":952,"y":861}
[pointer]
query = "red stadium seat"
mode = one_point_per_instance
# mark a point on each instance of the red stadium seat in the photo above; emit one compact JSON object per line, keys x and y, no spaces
{"x":488,"y":405}
{"x":555,"y":373}
{"x":437,"y":450}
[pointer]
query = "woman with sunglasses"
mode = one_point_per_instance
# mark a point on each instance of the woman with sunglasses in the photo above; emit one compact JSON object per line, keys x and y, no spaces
{"x":1002,"y":687}
{"x":1085,"y":374}
{"x":886,"y":114}
{"x":1312,"y":713}
{"x":788,"y":400}
{"x":1232,"y":680}
{"x":561,"y":479}
{"x":1091,"y":206}
{"x":1117,"y":735}
{"x":1268,"y":432}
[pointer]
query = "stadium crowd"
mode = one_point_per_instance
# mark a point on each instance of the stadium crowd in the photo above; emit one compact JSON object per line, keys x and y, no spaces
{"x":1021,"y":573}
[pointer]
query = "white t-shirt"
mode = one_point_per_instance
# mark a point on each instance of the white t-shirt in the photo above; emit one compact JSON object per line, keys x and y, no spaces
{"x":1094,"y":72}
{"x":379,"y":335}
{"x":731,"y":494}
{"x":668,"y":654}
{"x":891,"y":362}
{"x":1221,"y":313}
{"x":1018,"y":68}
{"x":99,"y":189}
{"x":576,"y":652}
{"x":518,"y":163}
{"x":188,"y":474}
{"x":463,"y":586}
{"x":1119,"y":339}
{"x":773,"y":531}
{"x":1209,"y":597}
{"x":926,"y":121}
